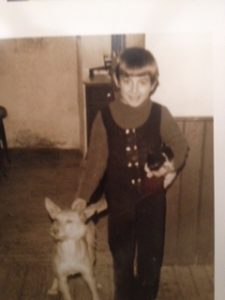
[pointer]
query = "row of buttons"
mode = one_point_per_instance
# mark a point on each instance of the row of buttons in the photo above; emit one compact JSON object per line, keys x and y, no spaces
{"x":128,"y":148}
{"x":136,"y":163}
{"x":130,"y":164}
{"x":127,"y":131}
{"x":134,"y":181}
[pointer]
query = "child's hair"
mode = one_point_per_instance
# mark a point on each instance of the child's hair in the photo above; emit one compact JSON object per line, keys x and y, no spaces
{"x":137,"y":61}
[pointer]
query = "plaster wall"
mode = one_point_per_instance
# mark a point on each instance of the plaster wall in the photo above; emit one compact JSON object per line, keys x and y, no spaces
{"x":38,"y":84}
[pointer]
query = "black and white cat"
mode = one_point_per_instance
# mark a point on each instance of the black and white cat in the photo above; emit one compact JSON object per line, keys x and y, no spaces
{"x":160,"y":164}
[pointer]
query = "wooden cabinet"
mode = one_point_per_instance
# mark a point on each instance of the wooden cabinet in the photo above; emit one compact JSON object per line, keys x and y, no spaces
{"x":98,"y":93}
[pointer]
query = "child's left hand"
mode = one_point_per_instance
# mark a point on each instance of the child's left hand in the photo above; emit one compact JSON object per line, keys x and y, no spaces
{"x":168,"y":179}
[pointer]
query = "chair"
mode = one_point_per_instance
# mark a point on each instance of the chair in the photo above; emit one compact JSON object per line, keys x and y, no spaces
{"x":4,"y":154}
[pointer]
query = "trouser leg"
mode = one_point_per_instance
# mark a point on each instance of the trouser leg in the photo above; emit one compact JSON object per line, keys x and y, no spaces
{"x":122,"y":243}
{"x":150,"y":245}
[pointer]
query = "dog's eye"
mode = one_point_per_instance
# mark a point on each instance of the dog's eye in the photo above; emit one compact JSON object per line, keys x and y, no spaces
{"x":69,"y":221}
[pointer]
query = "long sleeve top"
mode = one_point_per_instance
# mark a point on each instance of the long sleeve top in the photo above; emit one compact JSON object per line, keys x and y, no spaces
{"x":126,"y":117}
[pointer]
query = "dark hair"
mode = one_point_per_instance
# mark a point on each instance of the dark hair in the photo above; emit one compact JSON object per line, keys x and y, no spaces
{"x":134,"y":59}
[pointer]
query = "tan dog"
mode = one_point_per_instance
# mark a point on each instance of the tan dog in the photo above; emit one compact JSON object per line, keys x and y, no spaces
{"x":74,"y":246}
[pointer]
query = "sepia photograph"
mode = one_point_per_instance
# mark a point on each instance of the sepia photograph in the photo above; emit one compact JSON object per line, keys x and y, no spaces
{"x":107,"y":164}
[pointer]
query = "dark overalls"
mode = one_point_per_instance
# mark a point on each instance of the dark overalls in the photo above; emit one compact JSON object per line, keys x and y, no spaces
{"x":136,"y":225}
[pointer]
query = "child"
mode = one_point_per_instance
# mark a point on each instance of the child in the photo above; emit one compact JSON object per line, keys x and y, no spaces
{"x":123,"y":134}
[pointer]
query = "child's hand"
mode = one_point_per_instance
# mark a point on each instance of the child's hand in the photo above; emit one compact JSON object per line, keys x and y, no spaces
{"x":148,"y":171}
{"x":168,"y":179}
{"x":79,"y":204}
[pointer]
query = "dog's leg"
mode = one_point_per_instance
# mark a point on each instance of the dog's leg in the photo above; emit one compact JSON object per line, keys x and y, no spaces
{"x":91,"y":241}
{"x":54,"y":289}
{"x":89,"y":278}
{"x":64,"y":288}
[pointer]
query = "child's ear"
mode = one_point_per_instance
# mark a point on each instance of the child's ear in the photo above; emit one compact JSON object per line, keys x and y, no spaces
{"x":52,"y":208}
{"x":154,"y":87}
{"x":115,"y":80}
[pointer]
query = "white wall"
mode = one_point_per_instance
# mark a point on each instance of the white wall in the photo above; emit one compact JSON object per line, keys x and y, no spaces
{"x":92,"y":50}
{"x":186,"y":72}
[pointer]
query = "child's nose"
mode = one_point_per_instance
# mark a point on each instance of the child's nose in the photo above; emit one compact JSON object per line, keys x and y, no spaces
{"x":134,"y":87}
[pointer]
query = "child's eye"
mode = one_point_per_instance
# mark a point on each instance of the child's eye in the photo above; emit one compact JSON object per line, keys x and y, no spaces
{"x":125,"y":79}
{"x":144,"y":81}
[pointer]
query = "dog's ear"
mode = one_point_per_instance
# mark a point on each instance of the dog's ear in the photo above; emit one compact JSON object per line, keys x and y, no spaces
{"x":79,"y":205}
{"x":52,"y":208}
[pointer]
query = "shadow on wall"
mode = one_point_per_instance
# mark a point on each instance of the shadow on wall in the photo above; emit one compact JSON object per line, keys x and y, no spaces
{"x":27,"y":139}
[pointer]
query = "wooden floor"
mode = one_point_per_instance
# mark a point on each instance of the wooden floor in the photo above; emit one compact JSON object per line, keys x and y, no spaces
{"x":25,"y":245}
{"x":23,"y":280}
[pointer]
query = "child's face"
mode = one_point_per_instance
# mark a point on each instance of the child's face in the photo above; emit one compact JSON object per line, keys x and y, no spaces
{"x":135,"y":88}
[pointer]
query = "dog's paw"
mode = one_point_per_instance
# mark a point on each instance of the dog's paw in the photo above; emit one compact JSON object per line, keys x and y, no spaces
{"x":52,"y":291}
{"x":99,"y":286}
